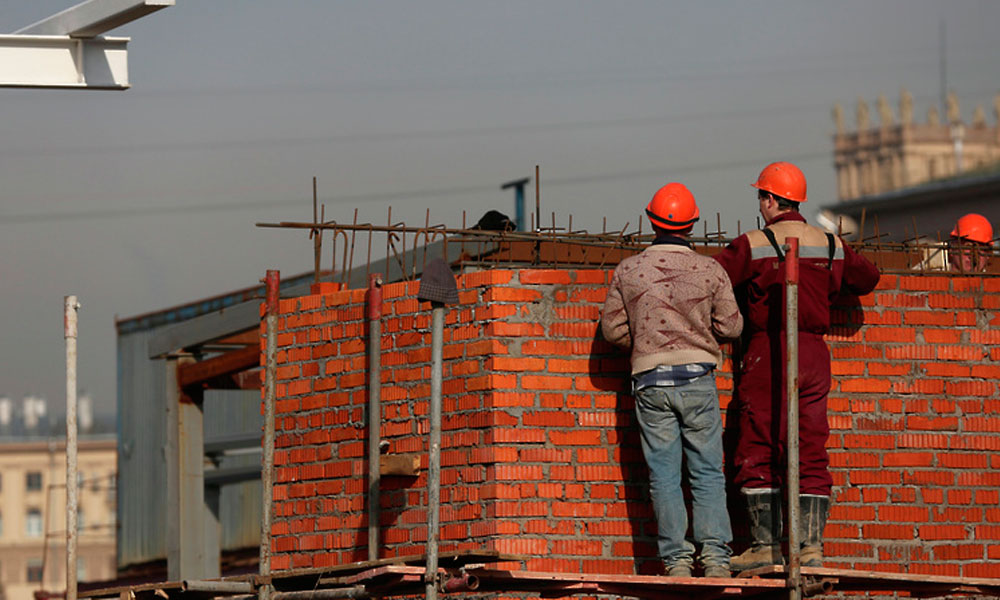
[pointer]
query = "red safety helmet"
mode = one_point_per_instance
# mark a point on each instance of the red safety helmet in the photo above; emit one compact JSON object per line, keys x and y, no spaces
{"x":783,"y":179}
{"x":672,"y":207}
{"x":974,"y":227}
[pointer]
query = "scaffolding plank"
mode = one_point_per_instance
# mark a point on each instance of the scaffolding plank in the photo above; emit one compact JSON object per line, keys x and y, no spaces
{"x":882,"y":581}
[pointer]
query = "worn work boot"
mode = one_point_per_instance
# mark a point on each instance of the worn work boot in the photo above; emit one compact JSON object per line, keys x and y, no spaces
{"x":814,"y":510}
{"x":765,"y":528}
{"x":718,"y":571}
{"x":678,"y":570}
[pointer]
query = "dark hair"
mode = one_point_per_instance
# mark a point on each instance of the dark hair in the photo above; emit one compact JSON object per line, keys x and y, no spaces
{"x":786,"y":204}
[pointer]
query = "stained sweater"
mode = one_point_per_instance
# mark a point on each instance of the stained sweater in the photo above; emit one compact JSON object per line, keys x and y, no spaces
{"x":670,"y":305}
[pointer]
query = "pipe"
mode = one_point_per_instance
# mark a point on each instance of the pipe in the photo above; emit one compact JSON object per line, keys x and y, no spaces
{"x":224,"y":587}
{"x":434,"y":449}
{"x":374,"y":409}
{"x":325,"y":594}
{"x":461,"y":583}
{"x":813,"y":587}
{"x":792,"y":395}
{"x":70,"y":308}
{"x":272,"y":282}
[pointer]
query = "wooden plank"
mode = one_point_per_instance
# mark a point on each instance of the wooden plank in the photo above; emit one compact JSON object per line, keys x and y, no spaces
{"x":407,"y":465}
{"x":224,"y":364}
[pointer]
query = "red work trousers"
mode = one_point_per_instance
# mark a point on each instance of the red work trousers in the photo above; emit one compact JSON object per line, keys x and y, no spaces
{"x":761,"y":448}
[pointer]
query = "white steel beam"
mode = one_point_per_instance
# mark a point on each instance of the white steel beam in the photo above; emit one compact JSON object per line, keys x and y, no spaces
{"x":63,"y":62}
{"x":94,"y":17}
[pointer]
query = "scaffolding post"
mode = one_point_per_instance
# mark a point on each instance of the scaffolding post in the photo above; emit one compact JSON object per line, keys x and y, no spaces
{"x":792,"y":395}
{"x":374,"y":409}
{"x":272,"y":284}
{"x":434,"y":459}
{"x":70,"y":308}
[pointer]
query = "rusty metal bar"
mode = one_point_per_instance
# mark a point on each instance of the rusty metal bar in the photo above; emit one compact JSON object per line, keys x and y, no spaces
{"x":374,"y":408}
{"x":272,"y":285}
{"x":71,"y":307}
{"x":792,"y":387}
{"x":325,"y":594}
{"x":317,"y":237}
{"x":221,"y":587}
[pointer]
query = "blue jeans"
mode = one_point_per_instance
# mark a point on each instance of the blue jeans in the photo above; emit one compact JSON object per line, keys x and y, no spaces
{"x":686,"y":417}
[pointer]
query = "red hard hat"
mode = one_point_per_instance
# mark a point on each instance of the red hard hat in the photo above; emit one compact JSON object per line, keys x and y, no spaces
{"x":974,"y":227}
{"x":783,"y":179}
{"x":672,"y":207}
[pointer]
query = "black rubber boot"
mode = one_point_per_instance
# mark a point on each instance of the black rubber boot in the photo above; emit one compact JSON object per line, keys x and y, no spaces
{"x":814,"y":510}
{"x":765,"y":528}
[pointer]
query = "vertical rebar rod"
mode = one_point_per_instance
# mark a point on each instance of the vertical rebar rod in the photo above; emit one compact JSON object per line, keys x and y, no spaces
{"x":792,"y":395}
{"x":434,"y":451}
{"x":538,"y":199}
{"x":272,"y":282}
{"x":317,"y":236}
{"x":374,"y":409}
{"x":70,"y":308}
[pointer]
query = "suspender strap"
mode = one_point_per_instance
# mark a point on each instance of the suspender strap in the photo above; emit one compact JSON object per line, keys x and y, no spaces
{"x":833,"y":249}
{"x":774,"y":242}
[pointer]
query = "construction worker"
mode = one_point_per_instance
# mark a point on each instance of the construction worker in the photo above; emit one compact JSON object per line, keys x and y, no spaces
{"x":669,"y":304}
{"x":755,"y":264}
{"x":971,"y":244}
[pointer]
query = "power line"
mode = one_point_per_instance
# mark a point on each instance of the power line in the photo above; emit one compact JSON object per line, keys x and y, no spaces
{"x":756,"y":113}
{"x":666,"y":171}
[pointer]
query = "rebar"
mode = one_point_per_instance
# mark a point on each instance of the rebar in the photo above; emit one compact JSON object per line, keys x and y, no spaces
{"x":554,"y":245}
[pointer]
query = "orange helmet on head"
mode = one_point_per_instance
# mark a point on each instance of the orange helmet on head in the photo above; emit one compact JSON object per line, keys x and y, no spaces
{"x":783,"y":179}
{"x":974,"y":227}
{"x":672,"y":207}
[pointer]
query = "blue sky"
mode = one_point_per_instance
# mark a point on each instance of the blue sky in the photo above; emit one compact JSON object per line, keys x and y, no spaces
{"x":147,"y":198}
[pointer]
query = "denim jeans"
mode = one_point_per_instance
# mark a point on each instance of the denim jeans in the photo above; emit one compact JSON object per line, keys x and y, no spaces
{"x":686,"y":419}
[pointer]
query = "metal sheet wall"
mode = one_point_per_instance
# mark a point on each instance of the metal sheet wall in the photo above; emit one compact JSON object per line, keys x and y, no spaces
{"x":142,"y":467}
{"x":230,"y":412}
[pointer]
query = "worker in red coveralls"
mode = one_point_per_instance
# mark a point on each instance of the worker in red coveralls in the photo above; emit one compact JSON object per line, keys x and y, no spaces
{"x":669,"y":304}
{"x":755,"y":263}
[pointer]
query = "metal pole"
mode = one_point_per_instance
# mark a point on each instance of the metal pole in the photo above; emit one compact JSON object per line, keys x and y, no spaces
{"x":70,"y":308}
{"x":792,"y":395}
{"x":434,"y":460}
{"x":374,"y":409}
{"x":272,"y":282}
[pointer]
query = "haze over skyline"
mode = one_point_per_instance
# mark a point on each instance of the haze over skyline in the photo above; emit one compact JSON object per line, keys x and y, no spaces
{"x":147,"y":198}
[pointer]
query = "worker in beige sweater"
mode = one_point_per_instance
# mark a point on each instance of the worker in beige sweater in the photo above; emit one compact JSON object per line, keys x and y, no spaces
{"x":671,"y":305}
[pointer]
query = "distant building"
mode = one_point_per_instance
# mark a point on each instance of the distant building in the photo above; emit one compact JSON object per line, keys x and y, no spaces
{"x":911,"y":179}
{"x":877,"y":158}
{"x":33,"y":513}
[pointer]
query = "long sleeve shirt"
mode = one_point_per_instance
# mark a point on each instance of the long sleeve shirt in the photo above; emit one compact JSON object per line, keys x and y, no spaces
{"x":670,"y":305}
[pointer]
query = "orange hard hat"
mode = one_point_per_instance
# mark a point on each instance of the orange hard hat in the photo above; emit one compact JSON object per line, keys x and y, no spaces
{"x":672,"y":207}
{"x":783,"y":179}
{"x":974,"y":227}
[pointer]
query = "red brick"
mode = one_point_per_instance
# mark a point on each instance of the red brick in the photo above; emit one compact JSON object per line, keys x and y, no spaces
{"x":577,"y":547}
{"x":908,"y":459}
{"x":945,"y":370}
{"x":575,"y":438}
{"x":960,"y":353}
{"x":878,"y":368}
{"x":544,"y":276}
{"x":963,"y":461}
{"x":958,"y":552}
{"x":924,"y":283}
{"x":899,"y":335}
{"x":921,"y":423}
{"x":879,"y":531}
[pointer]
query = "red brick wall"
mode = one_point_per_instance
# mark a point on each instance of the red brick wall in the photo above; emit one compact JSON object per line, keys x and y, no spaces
{"x":540,"y":452}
